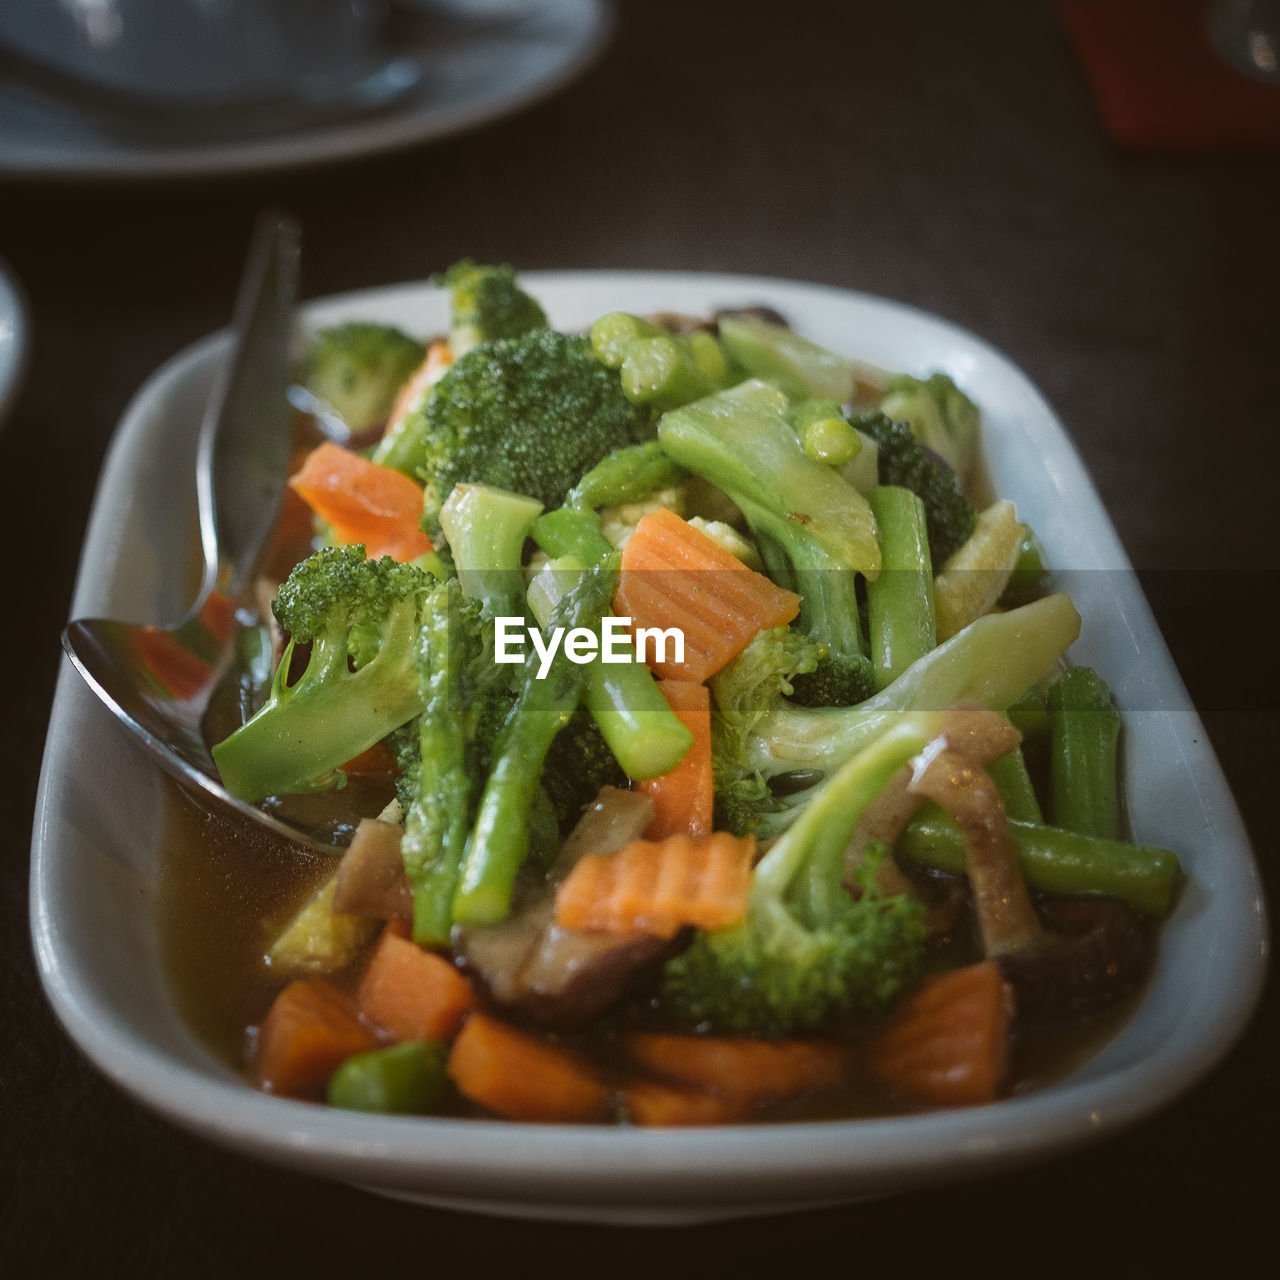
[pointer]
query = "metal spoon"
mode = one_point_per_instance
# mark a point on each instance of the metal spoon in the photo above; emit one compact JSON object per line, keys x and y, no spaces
{"x":158,"y":680}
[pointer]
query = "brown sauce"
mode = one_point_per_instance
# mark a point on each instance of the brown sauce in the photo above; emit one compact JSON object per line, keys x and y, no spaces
{"x":227,"y":890}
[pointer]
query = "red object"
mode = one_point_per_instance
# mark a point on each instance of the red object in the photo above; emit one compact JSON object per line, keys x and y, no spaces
{"x":1161,"y":86}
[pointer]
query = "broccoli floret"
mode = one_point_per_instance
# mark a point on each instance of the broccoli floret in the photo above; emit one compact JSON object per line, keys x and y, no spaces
{"x":837,"y":682}
{"x":939,"y":414}
{"x":361,"y":619}
{"x":578,"y":765}
{"x":761,"y":733}
{"x":949,"y":514}
{"x":529,"y":414}
{"x":742,"y":692}
{"x":405,"y":750}
{"x":808,"y":954}
{"x":815,"y":532}
{"x":487,"y":303}
{"x":356,"y":369}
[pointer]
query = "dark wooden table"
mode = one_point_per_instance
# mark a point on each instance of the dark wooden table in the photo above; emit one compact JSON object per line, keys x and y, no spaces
{"x":946,"y":155}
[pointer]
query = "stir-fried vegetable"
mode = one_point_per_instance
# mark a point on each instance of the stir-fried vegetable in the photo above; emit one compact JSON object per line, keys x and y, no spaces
{"x":753,"y":778}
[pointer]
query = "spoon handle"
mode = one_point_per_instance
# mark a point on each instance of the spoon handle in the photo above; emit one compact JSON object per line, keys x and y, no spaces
{"x":244,"y":444}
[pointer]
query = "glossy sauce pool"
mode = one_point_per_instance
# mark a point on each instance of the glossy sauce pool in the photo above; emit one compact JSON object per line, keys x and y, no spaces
{"x":226,"y":892}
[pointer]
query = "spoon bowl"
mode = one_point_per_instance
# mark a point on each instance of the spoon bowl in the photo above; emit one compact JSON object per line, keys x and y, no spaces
{"x":159,"y":681}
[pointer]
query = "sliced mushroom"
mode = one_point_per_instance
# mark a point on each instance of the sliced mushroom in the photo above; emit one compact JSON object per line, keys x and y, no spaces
{"x":563,"y":978}
{"x":1098,"y":951}
{"x":1073,"y":956}
{"x":371,"y":880}
{"x":1006,"y":918}
{"x":971,"y":731}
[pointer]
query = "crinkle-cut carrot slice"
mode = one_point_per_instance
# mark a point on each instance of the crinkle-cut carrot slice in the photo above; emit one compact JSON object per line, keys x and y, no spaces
{"x":674,"y":576}
{"x":657,"y":887}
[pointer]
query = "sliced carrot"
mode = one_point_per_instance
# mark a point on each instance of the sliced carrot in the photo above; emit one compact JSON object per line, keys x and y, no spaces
{"x":750,"y":1071}
{"x":949,"y":1042}
{"x":363,"y":502}
{"x":674,"y":576}
{"x":437,"y":360}
{"x":647,"y":1102}
{"x":656,"y":887}
{"x":520,"y":1077}
{"x":309,"y":1031}
{"x":412,"y":994}
{"x":683,"y":798}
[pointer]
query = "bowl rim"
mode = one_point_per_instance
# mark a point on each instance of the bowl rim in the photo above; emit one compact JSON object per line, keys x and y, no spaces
{"x":754,"y":1164}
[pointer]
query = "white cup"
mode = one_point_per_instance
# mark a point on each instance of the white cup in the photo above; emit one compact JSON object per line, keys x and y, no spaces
{"x":227,"y":50}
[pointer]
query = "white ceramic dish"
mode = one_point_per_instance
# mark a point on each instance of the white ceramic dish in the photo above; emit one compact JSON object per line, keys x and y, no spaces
{"x":13,"y":339}
{"x":97,"y":835}
{"x":471,"y":80}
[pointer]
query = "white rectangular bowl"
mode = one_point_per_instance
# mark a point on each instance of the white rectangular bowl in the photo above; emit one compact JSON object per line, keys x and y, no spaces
{"x":98,"y":827}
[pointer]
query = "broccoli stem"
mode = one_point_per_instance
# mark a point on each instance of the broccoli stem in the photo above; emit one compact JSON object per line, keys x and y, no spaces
{"x":828,"y":589}
{"x":800,"y":367}
{"x":993,"y":661}
{"x":1009,"y":773}
{"x":646,"y":737}
{"x":815,"y":842}
{"x":486,"y":529}
{"x":900,"y":601}
{"x":294,"y":743}
{"x":742,"y":441}
{"x":1083,"y":746}
{"x":1054,"y":860}
{"x":499,"y":839}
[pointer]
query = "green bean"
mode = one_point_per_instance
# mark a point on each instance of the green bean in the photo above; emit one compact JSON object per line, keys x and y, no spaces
{"x":403,"y":1079}
{"x":1084,"y":738}
{"x":1057,"y":861}
{"x":1012,"y":780}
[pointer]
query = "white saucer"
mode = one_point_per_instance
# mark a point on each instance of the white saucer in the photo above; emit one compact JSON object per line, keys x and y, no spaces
{"x":12,"y":339}
{"x":475,"y":79}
